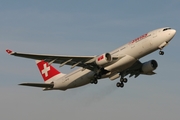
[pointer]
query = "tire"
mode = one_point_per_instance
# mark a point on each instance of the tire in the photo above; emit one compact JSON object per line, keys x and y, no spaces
{"x":118,"y":84}
{"x":121,"y":85}
{"x":95,"y":81}
{"x":92,"y":81}
{"x":122,"y":80}
{"x":125,"y":80}
{"x":161,"y":52}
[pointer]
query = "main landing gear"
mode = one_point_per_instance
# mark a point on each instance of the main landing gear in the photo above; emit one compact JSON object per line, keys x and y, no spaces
{"x":95,"y":81}
{"x":98,"y":74}
{"x":121,"y":83}
{"x":96,"y":77}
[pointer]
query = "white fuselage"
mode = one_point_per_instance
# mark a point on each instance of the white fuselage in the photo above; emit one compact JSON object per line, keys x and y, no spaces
{"x":131,"y":52}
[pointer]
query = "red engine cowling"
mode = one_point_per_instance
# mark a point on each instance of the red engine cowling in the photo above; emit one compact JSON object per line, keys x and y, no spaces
{"x":103,"y":59}
{"x":149,"y":66}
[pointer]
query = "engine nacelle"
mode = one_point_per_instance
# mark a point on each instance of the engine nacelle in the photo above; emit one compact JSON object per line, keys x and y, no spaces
{"x":148,"y":67}
{"x":103,"y":59}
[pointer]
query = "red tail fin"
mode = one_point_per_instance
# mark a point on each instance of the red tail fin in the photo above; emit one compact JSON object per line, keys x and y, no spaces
{"x":47,"y":71}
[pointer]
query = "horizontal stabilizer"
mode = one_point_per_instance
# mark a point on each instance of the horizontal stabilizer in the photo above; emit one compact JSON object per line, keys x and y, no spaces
{"x":43,"y":85}
{"x":150,"y":73}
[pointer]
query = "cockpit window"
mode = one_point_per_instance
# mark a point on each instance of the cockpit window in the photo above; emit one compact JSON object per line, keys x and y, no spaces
{"x":166,"y":29}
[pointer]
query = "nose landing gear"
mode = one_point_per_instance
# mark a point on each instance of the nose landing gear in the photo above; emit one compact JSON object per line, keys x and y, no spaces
{"x":161,"y":52}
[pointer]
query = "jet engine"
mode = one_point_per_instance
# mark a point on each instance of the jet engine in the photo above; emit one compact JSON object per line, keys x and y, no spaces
{"x":149,"y":66}
{"x":103,"y":59}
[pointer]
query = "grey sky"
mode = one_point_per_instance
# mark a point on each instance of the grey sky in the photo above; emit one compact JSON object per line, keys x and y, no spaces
{"x":86,"y":28}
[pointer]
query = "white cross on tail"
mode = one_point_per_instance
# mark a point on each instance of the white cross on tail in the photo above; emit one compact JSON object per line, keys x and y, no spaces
{"x":45,"y":70}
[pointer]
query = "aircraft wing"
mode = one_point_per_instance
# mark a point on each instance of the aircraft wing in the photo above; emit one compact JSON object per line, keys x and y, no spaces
{"x":81,"y":61}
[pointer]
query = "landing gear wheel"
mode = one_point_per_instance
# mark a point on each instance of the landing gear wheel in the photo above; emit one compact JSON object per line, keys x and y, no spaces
{"x":120,"y":84}
{"x":161,"y":52}
{"x":125,"y":80}
{"x":97,"y":76}
{"x":92,"y":82}
{"x":95,"y":81}
{"x":122,"y":80}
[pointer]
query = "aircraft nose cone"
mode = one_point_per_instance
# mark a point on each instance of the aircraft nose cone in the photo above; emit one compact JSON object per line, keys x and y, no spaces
{"x":173,"y":31}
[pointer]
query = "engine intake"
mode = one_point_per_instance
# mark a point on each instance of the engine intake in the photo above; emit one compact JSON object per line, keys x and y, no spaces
{"x":103,"y":59}
{"x":149,"y":66}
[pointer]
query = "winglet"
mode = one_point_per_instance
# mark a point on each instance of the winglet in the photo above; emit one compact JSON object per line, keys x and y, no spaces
{"x":9,"y":51}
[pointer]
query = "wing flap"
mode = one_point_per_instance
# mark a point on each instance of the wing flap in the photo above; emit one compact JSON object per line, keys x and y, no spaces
{"x":42,"y":85}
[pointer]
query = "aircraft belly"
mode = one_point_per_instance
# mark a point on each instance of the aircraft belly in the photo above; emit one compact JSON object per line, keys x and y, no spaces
{"x":60,"y":84}
{"x":79,"y":79}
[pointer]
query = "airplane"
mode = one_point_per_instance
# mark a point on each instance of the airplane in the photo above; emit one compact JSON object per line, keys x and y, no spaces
{"x":118,"y":63}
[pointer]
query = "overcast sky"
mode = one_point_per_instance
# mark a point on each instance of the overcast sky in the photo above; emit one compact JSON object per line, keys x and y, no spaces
{"x":81,"y":27}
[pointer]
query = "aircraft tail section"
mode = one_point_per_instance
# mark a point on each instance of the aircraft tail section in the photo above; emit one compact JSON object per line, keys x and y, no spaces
{"x":48,"y":72}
